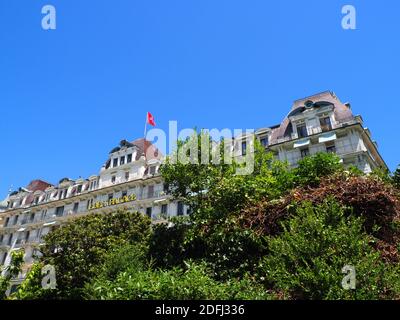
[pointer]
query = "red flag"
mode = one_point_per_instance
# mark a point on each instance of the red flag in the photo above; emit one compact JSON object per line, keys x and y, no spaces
{"x":150,"y":119}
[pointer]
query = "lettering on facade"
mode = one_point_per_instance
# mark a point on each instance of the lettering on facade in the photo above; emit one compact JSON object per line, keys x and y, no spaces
{"x":112,"y":202}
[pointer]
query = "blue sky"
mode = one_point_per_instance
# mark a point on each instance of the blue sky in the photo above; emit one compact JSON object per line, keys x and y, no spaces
{"x":68,"y":96}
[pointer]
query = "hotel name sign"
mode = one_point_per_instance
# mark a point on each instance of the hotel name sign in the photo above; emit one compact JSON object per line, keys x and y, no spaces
{"x":112,"y":202}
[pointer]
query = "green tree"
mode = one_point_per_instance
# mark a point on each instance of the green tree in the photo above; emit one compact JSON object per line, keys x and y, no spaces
{"x":11,"y":272}
{"x":396,"y":178}
{"x":214,"y":189}
{"x":78,"y":248}
{"x":311,"y":169}
{"x":216,"y":195}
{"x":306,"y":260}
{"x":31,"y":288}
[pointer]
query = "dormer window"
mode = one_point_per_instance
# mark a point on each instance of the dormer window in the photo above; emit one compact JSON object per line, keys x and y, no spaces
{"x":108,"y":163}
{"x":302,"y":130}
{"x":129,"y":158}
{"x":264,"y":141}
{"x":115,"y":162}
{"x":325,"y":124}
{"x":122,"y":161}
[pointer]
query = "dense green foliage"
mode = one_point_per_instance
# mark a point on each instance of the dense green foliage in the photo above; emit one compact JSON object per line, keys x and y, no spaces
{"x":191,"y":283}
{"x":310,"y":170}
{"x":77,"y":249}
{"x":312,"y":269}
{"x":396,"y":178}
{"x":12,"y":271}
{"x":274,"y":233}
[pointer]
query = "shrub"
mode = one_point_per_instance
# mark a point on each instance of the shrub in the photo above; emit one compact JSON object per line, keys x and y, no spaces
{"x":194,"y":283}
{"x":311,"y":169}
{"x":78,"y":248}
{"x":306,"y":260}
{"x":166,"y":246}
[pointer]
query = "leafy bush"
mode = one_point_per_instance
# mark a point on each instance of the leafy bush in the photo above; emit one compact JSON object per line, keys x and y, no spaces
{"x":31,"y":288}
{"x":396,"y":178}
{"x":77,"y":249}
{"x":129,"y":256}
{"x":194,"y":283}
{"x":167,"y":243}
{"x":12,"y":271}
{"x":306,"y":260}
{"x":311,"y":169}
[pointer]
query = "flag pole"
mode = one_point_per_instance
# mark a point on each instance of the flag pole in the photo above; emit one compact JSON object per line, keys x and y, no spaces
{"x":144,"y":140}
{"x":145,"y":128}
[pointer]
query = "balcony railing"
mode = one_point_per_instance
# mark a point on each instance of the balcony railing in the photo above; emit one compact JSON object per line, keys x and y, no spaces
{"x":324,"y":128}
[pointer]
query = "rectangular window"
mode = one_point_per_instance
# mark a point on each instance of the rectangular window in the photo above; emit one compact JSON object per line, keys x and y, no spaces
{"x":1,"y":238}
{"x":3,"y":258}
{"x":150,"y":192}
{"x":325,"y":124}
{"x":110,"y":196}
{"x":59,"y":211}
{"x":149,"y":211}
{"x":264,"y":141}
{"x":244,"y":147}
{"x":180,"y":208}
{"x":129,"y":158}
{"x":31,"y":217}
{"x":331,"y":148}
{"x":43,"y":215}
{"x":127,"y":176}
{"x":122,"y":161}
{"x":15,"y":220}
{"x":7,"y":221}
{"x":124,"y":194}
{"x":10,"y":239}
{"x":164,"y":209}
{"x":76,"y":206}
{"x":115,"y":162}
{"x":152,"y":170}
{"x":27,"y":234}
{"x":305,"y":152}
{"x":302,"y":131}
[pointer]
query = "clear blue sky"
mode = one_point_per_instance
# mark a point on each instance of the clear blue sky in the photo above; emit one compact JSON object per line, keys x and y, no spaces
{"x":68,"y":96}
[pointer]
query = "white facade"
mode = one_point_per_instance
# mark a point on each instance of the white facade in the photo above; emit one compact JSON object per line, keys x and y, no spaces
{"x":128,"y":179}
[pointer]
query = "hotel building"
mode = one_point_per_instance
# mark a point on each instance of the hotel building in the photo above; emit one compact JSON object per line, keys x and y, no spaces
{"x":320,"y":123}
